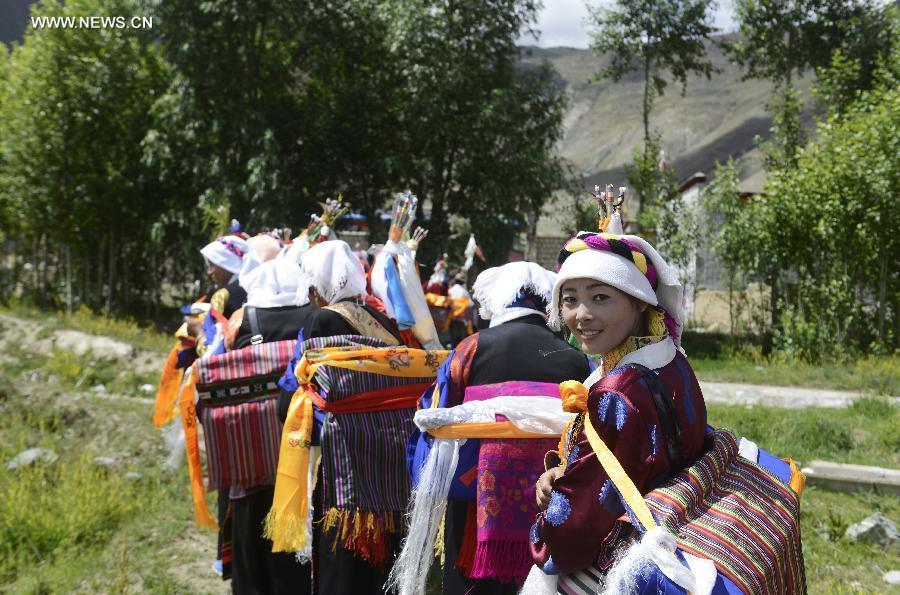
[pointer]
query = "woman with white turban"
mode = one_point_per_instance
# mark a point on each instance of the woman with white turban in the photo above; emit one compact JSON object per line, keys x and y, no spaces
{"x":277,"y":309}
{"x":277,"y":305}
{"x":620,"y":301}
{"x":224,"y":258}
{"x":337,"y":286}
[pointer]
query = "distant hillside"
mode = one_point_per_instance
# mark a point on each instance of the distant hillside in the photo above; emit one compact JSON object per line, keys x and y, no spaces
{"x":715,"y":119}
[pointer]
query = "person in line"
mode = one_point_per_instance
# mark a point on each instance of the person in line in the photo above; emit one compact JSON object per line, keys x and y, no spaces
{"x":224,"y":258}
{"x":277,"y":309}
{"x":619,"y":299}
{"x":338,"y":289}
{"x":517,"y":346}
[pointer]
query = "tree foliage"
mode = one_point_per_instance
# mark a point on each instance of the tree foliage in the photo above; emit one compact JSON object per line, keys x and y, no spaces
{"x":658,"y":38}
{"x":74,"y":110}
{"x":826,"y":227}
{"x":127,"y":139}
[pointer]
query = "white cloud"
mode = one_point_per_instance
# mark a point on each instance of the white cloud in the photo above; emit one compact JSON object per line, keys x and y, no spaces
{"x":562,"y":23}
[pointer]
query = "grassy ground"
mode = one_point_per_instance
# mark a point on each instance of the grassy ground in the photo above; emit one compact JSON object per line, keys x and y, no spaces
{"x":74,"y":526}
{"x":127,"y":330}
{"x":721,"y":358}
{"x":866,"y":433}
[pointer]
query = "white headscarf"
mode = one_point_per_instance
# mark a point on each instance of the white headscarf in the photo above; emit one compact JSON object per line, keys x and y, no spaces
{"x":334,"y":271}
{"x":621,"y":273}
{"x":227,"y":253}
{"x":262,"y":248}
{"x":275,"y":283}
{"x":497,"y":289}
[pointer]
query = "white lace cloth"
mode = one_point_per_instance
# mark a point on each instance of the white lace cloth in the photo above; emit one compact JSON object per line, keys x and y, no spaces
{"x":540,"y":415}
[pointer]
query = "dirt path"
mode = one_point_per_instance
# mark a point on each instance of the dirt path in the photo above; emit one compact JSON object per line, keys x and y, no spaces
{"x":789,"y":397}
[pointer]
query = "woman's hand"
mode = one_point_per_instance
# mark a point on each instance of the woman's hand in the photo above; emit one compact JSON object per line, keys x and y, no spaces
{"x":544,"y":485}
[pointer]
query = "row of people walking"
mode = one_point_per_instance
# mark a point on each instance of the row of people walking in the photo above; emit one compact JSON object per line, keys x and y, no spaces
{"x":564,"y":448}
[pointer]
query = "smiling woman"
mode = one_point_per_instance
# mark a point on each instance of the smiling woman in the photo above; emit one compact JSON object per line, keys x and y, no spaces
{"x":639,"y":449}
{"x":620,"y":301}
{"x":600,"y":316}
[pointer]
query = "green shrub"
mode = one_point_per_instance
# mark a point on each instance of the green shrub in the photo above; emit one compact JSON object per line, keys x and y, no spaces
{"x":48,"y":509}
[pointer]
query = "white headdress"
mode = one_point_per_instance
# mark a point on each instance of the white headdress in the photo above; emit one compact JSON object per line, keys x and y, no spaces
{"x":275,"y":283}
{"x":227,"y":252}
{"x":499,"y":290}
{"x":334,"y":271}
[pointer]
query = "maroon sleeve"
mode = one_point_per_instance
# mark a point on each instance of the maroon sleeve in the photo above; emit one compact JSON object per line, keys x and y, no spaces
{"x":584,"y":503}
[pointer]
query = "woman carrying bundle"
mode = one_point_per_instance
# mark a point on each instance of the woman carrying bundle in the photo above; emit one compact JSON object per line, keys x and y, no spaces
{"x":277,"y":309}
{"x":639,"y":442}
{"x":338,"y":287}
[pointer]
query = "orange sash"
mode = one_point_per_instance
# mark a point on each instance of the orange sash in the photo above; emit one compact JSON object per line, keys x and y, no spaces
{"x":192,"y":445}
{"x":166,"y":407}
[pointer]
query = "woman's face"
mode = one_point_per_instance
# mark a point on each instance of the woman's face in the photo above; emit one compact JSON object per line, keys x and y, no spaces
{"x":219,"y":276}
{"x":599,"y":316}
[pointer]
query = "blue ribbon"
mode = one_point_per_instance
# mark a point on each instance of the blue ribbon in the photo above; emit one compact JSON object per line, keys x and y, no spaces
{"x":402,"y":313}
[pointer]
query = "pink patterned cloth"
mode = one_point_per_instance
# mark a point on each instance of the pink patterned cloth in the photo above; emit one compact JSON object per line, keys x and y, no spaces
{"x":507,"y":472}
{"x":519,"y":388}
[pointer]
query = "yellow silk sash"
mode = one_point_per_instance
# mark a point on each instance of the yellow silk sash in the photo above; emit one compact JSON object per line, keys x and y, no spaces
{"x":387,"y":361}
{"x":617,"y":474}
{"x":285,"y":524}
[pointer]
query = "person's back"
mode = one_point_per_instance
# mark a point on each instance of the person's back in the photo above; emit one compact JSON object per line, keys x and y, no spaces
{"x":517,"y":347}
{"x":281,"y":323}
{"x":346,"y":564}
{"x":277,"y":309}
{"x":523,"y":349}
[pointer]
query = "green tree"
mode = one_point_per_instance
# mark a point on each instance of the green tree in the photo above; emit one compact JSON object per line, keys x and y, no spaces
{"x":873,"y":35}
{"x":73,"y":116}
{"x":840,"y":205}
{"x":478,"y":128}
{"x":781,"y":39}
{"x":656,"y":38}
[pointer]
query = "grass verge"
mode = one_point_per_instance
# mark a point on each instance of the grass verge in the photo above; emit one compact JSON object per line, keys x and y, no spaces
{"x":866,"y":433}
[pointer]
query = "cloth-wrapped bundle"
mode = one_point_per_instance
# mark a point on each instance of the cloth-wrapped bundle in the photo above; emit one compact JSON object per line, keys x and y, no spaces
{"x":362,"y":395}
{"x":510,"y":425}
{"x":729,"y":523}
{"x":238,"y":394}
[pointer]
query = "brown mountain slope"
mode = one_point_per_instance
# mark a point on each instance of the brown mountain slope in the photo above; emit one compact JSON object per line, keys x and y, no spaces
{"x":713,"y":120}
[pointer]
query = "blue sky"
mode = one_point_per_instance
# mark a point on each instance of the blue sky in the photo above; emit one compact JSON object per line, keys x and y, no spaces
{"x":561,"y":23}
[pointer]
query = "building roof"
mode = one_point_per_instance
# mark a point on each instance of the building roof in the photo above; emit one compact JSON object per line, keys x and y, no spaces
{"x":693,"y":180}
